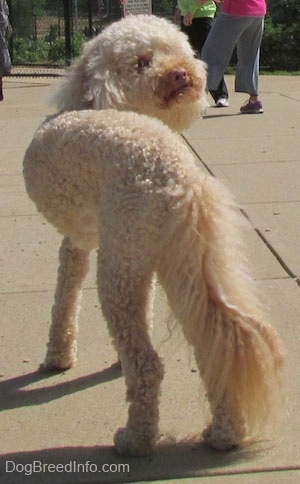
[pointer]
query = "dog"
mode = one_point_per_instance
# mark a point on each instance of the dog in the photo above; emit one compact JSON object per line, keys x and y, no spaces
{"x":141,"y":63}
{"x":126,"y":183}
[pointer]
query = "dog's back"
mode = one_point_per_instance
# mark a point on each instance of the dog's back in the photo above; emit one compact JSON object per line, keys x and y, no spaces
{"x":74,"y":157}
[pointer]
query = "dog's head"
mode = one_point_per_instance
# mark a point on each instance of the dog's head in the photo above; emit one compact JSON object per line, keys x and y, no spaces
{"x":141,"y":63}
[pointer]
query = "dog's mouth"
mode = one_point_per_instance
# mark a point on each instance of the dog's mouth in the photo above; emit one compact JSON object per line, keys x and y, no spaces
{"x":178,"y":85}
{"x":186,"y":93}
{"x":181,"y":91}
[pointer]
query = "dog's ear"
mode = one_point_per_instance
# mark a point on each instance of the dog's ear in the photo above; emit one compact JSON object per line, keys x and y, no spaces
{"x":95,"y":79}
{"x":86,"y":85}
{"x":72,"y":94}
{"x":102,"y":86}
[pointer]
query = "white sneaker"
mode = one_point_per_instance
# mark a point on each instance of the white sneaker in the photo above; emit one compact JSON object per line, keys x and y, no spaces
{"x":222,"y":102}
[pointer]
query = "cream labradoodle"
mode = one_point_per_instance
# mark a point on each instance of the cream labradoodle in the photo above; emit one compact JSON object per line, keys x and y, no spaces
{"x":126,"y":183}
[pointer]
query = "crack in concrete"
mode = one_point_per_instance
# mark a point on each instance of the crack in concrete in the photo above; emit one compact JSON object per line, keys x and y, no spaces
{"x":257,"y":230}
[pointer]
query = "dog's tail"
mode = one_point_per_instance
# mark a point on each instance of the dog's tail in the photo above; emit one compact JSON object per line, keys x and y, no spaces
{"x":210,"y":292}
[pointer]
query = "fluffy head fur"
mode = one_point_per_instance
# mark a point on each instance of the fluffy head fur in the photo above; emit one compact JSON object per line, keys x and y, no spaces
{"x":127,"y":183}
{"x":141,"y":63}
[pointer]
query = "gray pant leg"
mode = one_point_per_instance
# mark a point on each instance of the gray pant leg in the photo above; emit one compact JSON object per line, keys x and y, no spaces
{"x":248,"y":49}
{"x":219,"y":46}
{"x":224,"y":35}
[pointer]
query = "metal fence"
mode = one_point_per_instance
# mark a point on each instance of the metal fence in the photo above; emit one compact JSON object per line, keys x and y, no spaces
{"x":48,"y":34}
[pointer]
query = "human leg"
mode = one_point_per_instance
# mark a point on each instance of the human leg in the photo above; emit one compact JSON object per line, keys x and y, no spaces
{"x":220,"y":96}
{"x":218,"y":47}
{"x":248,"y":50}
{"x":247,"y":74}
{"x":203,"y":26}
{"x":197,"y":32}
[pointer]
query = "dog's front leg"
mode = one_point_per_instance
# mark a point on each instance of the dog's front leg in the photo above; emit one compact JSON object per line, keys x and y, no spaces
{"x":62,"y":345}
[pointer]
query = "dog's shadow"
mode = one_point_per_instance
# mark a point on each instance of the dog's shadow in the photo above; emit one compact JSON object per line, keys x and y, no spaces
{"x":13,"y":392}
{"x":170,"y":460}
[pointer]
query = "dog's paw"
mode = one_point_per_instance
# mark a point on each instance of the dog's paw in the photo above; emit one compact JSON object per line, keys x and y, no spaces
{"x":217,"y":440}
{"x":46,"y":368}
{"x":55,"y":364}
{"x":133,"y":445}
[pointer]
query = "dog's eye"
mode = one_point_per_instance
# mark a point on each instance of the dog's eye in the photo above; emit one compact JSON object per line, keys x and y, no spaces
{"x":143,"y":62}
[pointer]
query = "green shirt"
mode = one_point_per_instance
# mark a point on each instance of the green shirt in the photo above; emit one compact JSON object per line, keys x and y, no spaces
{"x":207,"y":9}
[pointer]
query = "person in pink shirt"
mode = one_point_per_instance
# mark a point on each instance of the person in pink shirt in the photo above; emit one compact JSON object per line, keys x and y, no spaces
{"x":240,"y":23}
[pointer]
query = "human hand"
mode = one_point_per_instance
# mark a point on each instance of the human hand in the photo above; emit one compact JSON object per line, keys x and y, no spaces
{"x":187,"y":19}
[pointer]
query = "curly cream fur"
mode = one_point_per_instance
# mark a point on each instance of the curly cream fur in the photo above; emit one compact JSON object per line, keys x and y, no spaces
{"x":126,"y":183}
{"x":136,"y":64}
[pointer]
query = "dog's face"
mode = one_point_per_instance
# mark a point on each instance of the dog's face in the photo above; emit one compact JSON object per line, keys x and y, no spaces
{"x":144,"y":64}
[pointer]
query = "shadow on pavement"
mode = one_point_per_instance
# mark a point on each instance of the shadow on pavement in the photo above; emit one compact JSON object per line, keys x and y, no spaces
{"x":13,"y":393}
{"x":170,"y":460}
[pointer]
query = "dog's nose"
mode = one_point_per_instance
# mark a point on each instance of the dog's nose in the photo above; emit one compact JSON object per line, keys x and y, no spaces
{"x":178,"y":77}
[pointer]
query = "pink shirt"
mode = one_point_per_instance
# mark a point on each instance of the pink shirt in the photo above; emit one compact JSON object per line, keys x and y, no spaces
{"x":248,"y":8}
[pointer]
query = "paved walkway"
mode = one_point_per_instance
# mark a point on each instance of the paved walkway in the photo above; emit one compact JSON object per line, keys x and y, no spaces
{"x":70,"y":418}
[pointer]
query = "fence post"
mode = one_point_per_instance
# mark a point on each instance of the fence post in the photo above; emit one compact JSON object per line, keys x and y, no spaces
{"x":68,"y":30}
{"x":90,"y":18}
{"x":11,"y":40}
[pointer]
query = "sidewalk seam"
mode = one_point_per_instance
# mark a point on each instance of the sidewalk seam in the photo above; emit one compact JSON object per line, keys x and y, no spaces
{"x":244,"y":213}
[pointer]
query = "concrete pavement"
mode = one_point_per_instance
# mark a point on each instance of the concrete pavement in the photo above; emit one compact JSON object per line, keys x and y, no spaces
{"x":64,"y":424}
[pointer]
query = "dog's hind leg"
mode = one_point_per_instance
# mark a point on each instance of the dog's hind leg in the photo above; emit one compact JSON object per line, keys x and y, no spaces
{"x":124,"y":297}
{"x":125,"y":284}
{"x":62,"y":345}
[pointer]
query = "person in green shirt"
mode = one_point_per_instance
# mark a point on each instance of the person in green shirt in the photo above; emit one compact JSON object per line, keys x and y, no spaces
{"x":196,"y":18}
